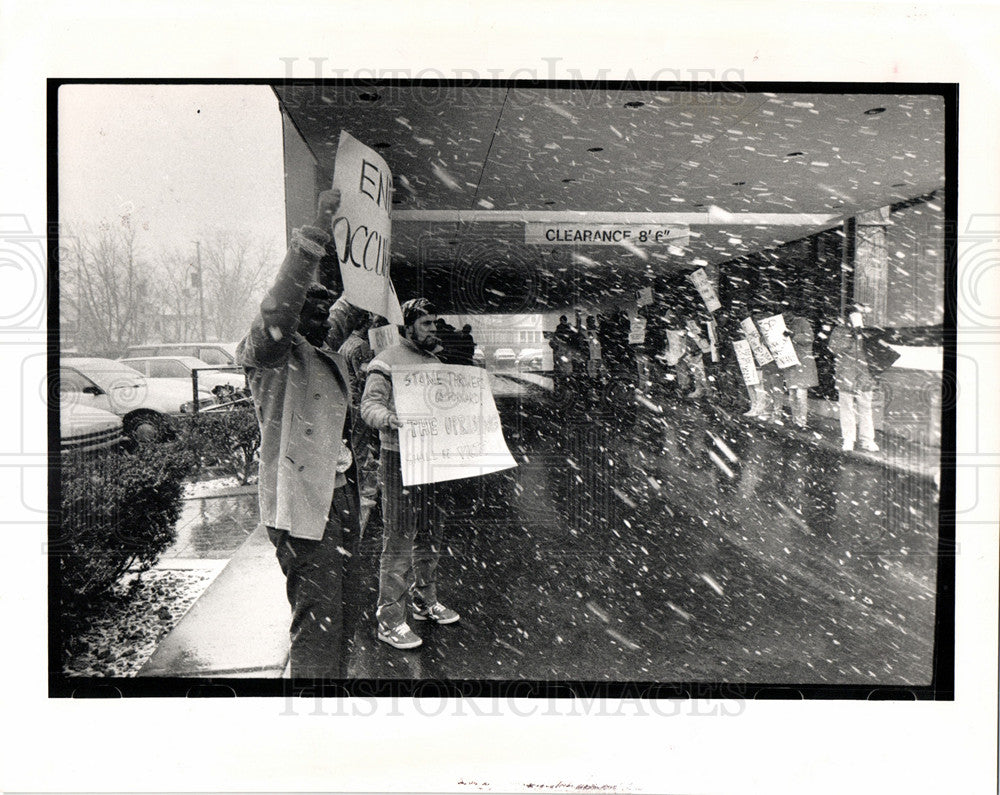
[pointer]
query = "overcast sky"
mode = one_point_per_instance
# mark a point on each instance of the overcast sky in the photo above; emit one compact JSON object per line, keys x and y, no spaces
{"x":183,"y":160}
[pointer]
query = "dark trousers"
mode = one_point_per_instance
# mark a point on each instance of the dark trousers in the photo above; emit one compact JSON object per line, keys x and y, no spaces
{"x":315,"y":575}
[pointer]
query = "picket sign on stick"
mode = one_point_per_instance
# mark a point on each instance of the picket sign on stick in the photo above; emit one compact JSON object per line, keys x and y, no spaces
{"x":451,"y":428}
{"x":760,"y":351}
{"x":362,"y":230}
{"x":773,"y":329}
{"x":745,"y":358}
{"x":705,"y":289}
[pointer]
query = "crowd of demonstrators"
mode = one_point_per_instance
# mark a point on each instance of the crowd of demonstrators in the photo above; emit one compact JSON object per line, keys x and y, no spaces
{"x":680,"y":359}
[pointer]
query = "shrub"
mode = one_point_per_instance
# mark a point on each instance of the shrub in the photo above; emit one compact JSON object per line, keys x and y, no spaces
{"x":227,"y":440}
{"x":117,"y":510}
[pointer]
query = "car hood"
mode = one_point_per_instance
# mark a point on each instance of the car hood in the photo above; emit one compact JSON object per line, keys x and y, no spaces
{"x":165,"y":395}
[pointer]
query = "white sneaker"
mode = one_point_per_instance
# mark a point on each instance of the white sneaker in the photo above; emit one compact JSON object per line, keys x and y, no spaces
{"x":399,"y":637}
{"x":436,"y":612}
{"x":871,"y":447}
{"x":847,"y":446}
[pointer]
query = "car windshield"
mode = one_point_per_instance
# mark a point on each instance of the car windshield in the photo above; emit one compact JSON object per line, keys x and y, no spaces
{"x":107,"y":373}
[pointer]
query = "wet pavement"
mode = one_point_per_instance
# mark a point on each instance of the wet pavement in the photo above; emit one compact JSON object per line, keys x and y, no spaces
{"x":212,"y":528}
{"x":674,"y":546}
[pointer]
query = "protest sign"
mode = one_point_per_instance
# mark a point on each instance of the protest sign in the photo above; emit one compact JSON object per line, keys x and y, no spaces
{"x":712,"y":340}
{"x":773,"y":329}
{"x":451,"y":428}
{"x":676,"y":346}
{"x":383,"y":337}
{"x":695,"y":331}
{"x":361,"y":228}
{"x":637,"y":330}
{"x":745,"y":358}
{"x":760,"y":351}
{"x":705,"y":289}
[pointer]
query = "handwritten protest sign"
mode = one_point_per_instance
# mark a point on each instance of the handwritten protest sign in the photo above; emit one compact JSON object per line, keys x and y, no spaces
{"x":695,"y":331}
{"x":773,"y":329}
{"x":705,"y":289}
{"x":745,"y":358}
{"x":637,"y":330}
{"x":451,"y":428}
{"x":383,"y":337}
{"x":760,"y":351}
{"x":361,"y":228}
{"x":713,"y":341}
{"x":676,"y":346}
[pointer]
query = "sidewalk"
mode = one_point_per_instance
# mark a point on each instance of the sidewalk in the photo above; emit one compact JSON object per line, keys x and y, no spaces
{"x":897,"y":453}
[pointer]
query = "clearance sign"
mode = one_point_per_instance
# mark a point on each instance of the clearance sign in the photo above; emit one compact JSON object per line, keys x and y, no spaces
{"x":587,"y":234}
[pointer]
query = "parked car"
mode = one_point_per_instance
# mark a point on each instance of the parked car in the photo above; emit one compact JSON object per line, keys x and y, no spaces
{"x":86,"y":429}
{"x":180,"y":368}
{"x":531,"y":359}
{"x":214,"y":353}
{"x":504,"y":358}
{"x":146,"y":407}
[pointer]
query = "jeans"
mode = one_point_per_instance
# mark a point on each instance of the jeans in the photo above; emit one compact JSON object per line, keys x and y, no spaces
{"x":315,"y":574}
{"x":411,"y":543}
{"x":799,"y":399}
{"x":856,"y":417}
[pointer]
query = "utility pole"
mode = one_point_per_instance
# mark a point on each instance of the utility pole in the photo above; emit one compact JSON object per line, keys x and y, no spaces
{"x":201,"y":292}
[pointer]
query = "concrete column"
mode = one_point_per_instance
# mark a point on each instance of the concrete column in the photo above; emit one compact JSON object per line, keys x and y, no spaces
{"x":871,"y":263}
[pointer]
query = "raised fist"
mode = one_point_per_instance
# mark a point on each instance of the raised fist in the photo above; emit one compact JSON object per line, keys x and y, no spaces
{"x":326,"y":207}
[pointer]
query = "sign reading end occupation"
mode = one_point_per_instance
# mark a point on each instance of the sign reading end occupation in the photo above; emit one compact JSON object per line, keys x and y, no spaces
{"x":362,"y":230}
{"x":588,"y":234}
{"x":451,"y":428}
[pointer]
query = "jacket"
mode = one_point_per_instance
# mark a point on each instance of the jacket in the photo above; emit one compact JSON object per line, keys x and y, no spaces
{"x":805,"y":374}
{"x":301,"y":395}
{"x":850,"y":363}
{"x":377,"y":402}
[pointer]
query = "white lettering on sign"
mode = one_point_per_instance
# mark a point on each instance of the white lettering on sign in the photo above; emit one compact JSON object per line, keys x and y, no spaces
{"x":605,"y":234}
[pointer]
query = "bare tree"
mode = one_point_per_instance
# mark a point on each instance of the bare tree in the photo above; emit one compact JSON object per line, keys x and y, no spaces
{"x":104,"y":287}
{"x":235,"y":269}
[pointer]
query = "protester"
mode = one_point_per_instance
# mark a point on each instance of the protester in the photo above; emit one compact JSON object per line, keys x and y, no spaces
{"x":357,"y":352}
{"x":300,"y":389}
{"x":411,"y":536}
{"x":800,"y":378}
{"x":451,"y":343}
{"x":466,"y":346}
{"x":855,"y":384}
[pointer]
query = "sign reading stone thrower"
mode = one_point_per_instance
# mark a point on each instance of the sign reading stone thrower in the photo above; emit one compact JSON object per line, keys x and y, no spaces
{"x":451,"y":428}
{"x":362,"y":230}
{"x":591,"y":234}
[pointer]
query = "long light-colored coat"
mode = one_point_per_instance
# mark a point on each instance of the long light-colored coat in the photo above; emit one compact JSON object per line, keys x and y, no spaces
{"x":301,"y":395}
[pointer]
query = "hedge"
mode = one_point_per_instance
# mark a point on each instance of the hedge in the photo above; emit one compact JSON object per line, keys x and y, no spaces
{"x":117,"y":510}
{"x":226,"y":440}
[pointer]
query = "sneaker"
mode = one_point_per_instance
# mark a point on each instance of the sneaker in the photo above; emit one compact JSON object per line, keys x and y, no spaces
{"x":871,"y":447}
{"x":400,"y":637}
{"x":436,"y":612}
{"x":847,"y":446}
{"x":751,"y":413}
